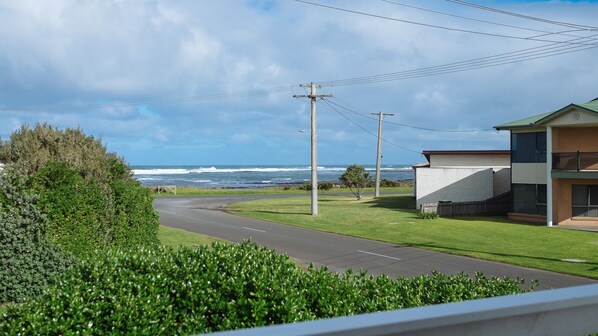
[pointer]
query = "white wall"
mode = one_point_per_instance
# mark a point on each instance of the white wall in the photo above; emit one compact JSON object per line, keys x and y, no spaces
{"x":502,"y":181}
{"x":470,"y":160}
{"x":454,"y":184}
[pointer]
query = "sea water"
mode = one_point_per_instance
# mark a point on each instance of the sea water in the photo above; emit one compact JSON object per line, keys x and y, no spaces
{"x":253,"y":176}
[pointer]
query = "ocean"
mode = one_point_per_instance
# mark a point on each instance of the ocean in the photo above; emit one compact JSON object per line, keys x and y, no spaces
{"x":251,"y":177}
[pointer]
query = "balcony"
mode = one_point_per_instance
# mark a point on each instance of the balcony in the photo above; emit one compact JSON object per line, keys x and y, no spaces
{"x":575,"y":161}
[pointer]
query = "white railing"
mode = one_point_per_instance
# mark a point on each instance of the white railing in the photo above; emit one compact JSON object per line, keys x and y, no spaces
{"x":566,"y":311}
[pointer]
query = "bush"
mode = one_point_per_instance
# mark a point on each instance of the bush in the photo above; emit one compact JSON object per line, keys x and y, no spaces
{"x":428,"y":215}
{"x":163,"y":291}
{"x":78,"y":211}
{"x":135,"y":221}
{"x":28,"y":261}
{"x":30,"y":149}
{"x":325,"y":185}
{"x":90,"y":197}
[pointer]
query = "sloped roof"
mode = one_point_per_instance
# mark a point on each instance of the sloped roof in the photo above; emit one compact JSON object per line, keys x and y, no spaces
{"x":537,"y":120}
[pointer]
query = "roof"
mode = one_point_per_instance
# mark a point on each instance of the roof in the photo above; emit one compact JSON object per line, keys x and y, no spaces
{"x":540,"y":119}
{"x":428,"y":153}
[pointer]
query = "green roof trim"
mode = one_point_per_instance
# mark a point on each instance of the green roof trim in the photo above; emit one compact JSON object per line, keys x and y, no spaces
{"x":537,"y":120}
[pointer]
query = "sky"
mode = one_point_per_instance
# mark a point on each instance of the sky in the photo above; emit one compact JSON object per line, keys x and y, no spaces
{"x":213,"y":82}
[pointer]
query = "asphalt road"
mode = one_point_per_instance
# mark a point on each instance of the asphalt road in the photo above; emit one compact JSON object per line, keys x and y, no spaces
{"x":339,"y":253}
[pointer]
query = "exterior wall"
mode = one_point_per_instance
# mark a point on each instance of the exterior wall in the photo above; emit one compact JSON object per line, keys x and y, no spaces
{"x":454,"y":184}
{"x":572,"y":139}
{"x":528,"y":173}
{"x":501,"y":181}
{"x":562,"y":210}
{"x":473,"y":160}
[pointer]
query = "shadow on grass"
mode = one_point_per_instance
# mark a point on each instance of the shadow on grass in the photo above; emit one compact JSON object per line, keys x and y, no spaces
{"x":402,"y":202}
{"x":459,"y":251}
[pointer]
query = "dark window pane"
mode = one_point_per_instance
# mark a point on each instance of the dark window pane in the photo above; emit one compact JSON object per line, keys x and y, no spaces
{"x":541,"y":210}
{"x":523,"y":147}
{"x":593,"y":195}
{"x":579,"y":211}
{"x":524,"y":198}
{"x":580,"y":195}
{"x":541,"y":193}
{"x":541,"y":147}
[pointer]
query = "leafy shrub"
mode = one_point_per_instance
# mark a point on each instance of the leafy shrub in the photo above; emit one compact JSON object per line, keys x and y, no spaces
{"x":135,"y":221}
{"x":325,"y":185}
{"x":163,"y":291}
{"x":90,"y":197}
{"x":30,"y":149}
{"x":428,"y":215}
{"x":78,"y":211}
{"x":27,"y":259}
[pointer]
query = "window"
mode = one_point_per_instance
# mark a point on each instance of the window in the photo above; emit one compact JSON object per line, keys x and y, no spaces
{"x":529,"y":198}
{"x":585,"y":200}
{"x":528,"y":147}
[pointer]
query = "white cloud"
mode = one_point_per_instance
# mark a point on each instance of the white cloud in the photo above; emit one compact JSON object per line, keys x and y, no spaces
{"x":64,"y":53}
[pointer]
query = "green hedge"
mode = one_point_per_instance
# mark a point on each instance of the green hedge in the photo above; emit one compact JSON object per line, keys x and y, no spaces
{"x":28,"y":261}
{"x":162,"y":291}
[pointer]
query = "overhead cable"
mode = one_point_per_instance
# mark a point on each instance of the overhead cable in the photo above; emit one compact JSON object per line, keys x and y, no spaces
{"x":367,"y":131}
{"x":410,"y":126}
{"x":437,"y":26}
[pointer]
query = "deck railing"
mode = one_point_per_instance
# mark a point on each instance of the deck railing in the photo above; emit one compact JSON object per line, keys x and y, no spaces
{"x":575,"y":161}
{"x":566,"y":311}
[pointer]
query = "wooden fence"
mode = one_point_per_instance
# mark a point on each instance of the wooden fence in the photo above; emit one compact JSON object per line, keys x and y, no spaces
{"x":164,"y":189}
{"x":495,"y":206}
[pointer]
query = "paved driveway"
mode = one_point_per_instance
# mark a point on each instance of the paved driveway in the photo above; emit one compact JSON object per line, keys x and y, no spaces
{"x":339,"y":253}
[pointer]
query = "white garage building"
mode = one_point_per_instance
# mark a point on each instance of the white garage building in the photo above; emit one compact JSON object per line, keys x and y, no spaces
{"x":462,"y":175}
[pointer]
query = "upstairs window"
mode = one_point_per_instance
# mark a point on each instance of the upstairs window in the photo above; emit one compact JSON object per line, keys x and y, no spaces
{"x":528,"y":147}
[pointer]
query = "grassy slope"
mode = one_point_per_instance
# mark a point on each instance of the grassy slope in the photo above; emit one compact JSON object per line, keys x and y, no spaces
{"x":177,"y":237}
{"x":393,"y":219}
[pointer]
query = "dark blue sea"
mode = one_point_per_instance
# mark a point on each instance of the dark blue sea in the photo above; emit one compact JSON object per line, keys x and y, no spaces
{"x":247,"y":177}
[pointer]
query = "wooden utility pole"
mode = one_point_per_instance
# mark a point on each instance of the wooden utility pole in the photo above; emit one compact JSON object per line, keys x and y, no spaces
{"x":314,"y":157}
{"x":379,"y":151}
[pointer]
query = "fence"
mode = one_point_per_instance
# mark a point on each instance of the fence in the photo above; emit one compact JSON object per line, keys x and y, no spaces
{"x":495,"y":206}
{"x":164,"y":189}
{"x":565,"y":311}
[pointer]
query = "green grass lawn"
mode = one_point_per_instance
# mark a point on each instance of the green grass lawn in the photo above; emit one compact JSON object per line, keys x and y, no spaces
{"x":393,"y":219}
{"x":191,"y":191}
{"x":177,"y":237}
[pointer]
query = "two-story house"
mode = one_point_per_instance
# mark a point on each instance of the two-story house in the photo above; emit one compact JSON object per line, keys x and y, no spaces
{"x":554,"y":166}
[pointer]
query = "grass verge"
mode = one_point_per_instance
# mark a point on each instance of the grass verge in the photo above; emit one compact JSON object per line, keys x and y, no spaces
{"x":177,"y":237}
{"x":393,"y":219}
{"x":192,"y":191}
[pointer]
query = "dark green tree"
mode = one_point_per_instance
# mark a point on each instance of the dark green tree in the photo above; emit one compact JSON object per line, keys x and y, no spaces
{"x":356,"y":178}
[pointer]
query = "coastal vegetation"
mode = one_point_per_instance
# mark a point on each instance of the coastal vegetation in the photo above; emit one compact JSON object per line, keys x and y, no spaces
{"x":394,"y":219}
{"x":150,"y":291}
{"x":64,"y":197}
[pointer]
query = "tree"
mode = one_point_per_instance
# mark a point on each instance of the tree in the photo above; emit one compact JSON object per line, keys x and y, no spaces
{"x":356,"y":179}
{"x":89,"y":195}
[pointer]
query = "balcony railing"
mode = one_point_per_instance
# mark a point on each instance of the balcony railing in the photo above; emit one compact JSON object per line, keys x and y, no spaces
{"x":565,"y":311}
{"x":575,"y":161}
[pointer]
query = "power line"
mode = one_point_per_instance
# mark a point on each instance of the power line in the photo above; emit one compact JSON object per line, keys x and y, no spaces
{"x":479,"y":20}
{"x":367,"y":131}
{"x":436,"y":26}
{"x":472,"y":64}
{"x":523,"y":16}
{"x":410,"y":126}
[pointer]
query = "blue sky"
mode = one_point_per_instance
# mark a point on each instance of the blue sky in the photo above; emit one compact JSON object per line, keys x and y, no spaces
{"x":212,"y":82}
